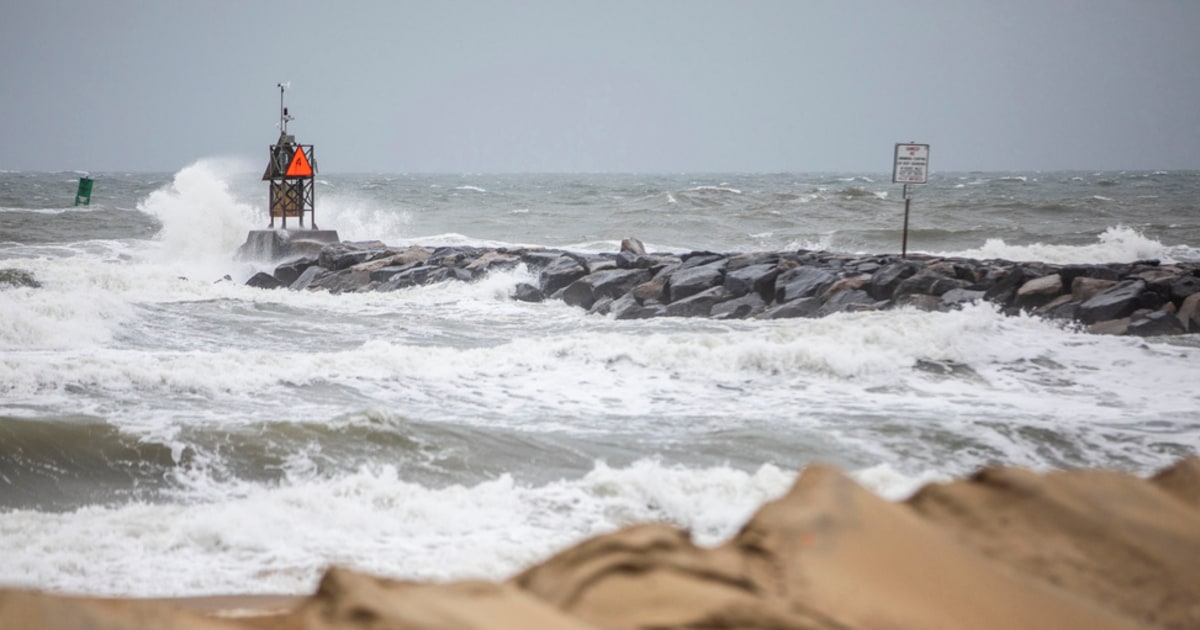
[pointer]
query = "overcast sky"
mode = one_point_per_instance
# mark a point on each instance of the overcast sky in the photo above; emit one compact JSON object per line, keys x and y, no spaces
{"x":564,"y":86}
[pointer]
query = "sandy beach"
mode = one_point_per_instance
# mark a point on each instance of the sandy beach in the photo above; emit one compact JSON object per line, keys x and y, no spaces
{"x":1004,"y":548}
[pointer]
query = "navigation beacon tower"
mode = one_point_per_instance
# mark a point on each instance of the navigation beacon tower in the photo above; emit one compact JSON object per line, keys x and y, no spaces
{"x":291,"y":172}
{"x":291,"y":175}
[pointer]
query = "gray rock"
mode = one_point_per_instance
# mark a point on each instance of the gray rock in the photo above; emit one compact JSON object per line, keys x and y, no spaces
{"x":383,"y":274}
{"x":491,"y":261}
{"x":802,"y":282}
{"x":1118,"y":326}
{"x":289,"y":271}
{"x":698,"y":305}
{"x":698,"y":259}
{"x":608,"y":283}
{"x":1156,"y":324}
{"x":884,"y":282}
{"x":18,"y":278}
{"x":264,"y":280}
{"x":1061,"y":307}
{"x":748,"y":305}
{"x":525,"y":292}
{"x":1039,"y":291}
{"x":651,"y":290}
{"x":338,"y":256}
{"x":926,"y":284}
{"x":688,"y":281}
{"x":633,"y":246}
{"x":1084,"y":288}
{"x":560,"y":273}
{"x":920,"y":301}
{"x":800,"y":307}
{"x":852,"y":300}
{"x":344,"y":281}
{"x":958,"y":297}
{"x":627,"y":307}
{"x":540,"y":259}
{"x":310,"y":275}
{"x":1189,"y":313}
{"x":757,"y":278}
{"x":1116,"y":302}
{"x":1184,"y":286}
{"x":1005,"y":288}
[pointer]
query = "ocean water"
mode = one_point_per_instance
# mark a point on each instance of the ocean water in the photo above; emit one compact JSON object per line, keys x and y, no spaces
{"x":167,"y":432}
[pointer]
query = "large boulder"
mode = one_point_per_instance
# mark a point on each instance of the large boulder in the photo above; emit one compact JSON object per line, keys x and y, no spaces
{"x":264,"y":280}
{"x":748,"y":305}
{"x":1118,"y":301}
{"x":927,"y":284}
{"x":18,"y":278}
{"x":1189,"y":313}
{"x":698,"y":305}
{"x":608,"y":283}
{"x":1039,"y":291}
{"x":884,"y":282}
{"x":802,"y":282}
{"x":688,"y":281}
{"x":560,"y":273}
{"x":1155,"y":324}
{"x":757,"y":278}
{"x":288,"y":272}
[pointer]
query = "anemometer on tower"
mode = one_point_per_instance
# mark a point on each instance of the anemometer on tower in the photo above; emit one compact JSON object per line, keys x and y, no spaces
{"x":291,"y":174}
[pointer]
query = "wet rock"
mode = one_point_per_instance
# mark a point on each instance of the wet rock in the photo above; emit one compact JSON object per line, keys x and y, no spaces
{"x":688,"y":281}
{"x":1005,"y":288}
{"x":884,"y":282}
{"x":743,"y":307}
{"x":383,"y":274}
{"x":1039,"y":291}
{"x":344,"y":281}
{"x":927,"y":284}
{"x":288,"y":272}
{"x":627,"y":307}
{"x":1110,"y":327}
{"x":757,"y":278}
{"x":957,"y":297}
{"x":18,"y":278}
{"x":633,"y":246}
{"x":1115,"y":302}
{"x":491,"y":261}
{"x":264,"y":280}
{"x":1189,"y":313}
{"x":525,"y":292}
{"x":847,"y":301}
{"x":560,"y":273}
{"x":800,"y":307}
{"x":1184,"y":286}
{"x":310,"y":275}
{"x":1061,"y":307}
{"x":802,"y":282}
{"x":698,"y":305}
{"x":608,"y":283}
{"x":650,"y":291}
{"x":1156,"y":324}
{"x":1085,"y":288}
{"x":339,"y":256}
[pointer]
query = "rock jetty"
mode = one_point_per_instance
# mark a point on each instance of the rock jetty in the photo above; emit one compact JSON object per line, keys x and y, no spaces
{"x":1143,"y":298}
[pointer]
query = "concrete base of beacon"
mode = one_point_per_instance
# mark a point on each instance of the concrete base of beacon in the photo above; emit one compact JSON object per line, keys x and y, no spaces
{"x":278,"y":244}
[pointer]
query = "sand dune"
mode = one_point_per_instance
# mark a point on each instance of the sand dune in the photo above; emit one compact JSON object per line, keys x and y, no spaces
{"x":1005,"y":548}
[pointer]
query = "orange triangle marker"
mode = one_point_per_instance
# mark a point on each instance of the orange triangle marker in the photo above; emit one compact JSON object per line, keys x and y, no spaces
{"x":299,"y":166}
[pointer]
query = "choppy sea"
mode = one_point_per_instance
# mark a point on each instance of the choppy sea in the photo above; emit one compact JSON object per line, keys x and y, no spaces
{"x":167,"y":432}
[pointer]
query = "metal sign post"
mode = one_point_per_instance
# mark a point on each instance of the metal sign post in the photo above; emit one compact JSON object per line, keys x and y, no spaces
{"x":911,"y":166}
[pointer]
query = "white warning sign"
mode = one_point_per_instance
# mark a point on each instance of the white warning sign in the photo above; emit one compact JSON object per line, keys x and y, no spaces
{"x":911,"y":165}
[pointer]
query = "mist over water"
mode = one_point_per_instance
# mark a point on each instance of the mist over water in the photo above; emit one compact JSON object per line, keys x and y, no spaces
{"x":220,"y":438}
